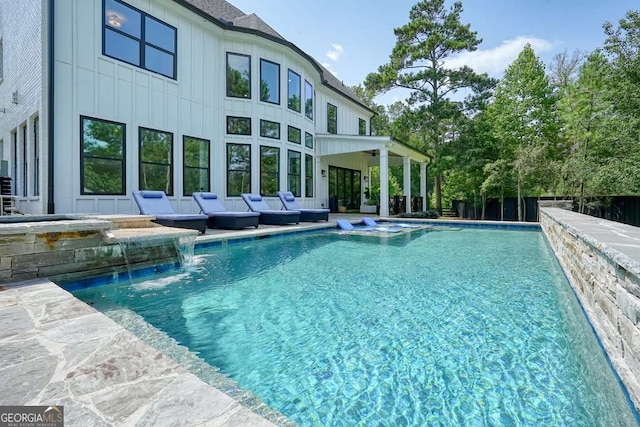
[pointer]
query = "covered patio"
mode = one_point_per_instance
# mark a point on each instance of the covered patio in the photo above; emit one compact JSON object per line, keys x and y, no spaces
{"x":363,"y":152}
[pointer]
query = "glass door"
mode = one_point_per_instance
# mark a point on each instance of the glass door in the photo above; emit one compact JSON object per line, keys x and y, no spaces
{"x":344,"y":188}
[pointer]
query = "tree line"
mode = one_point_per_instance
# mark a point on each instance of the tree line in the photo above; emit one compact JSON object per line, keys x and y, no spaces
{"x":569,"y":130}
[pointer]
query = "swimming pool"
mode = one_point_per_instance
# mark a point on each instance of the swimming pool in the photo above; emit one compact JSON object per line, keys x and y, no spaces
{"x":451,"y":327}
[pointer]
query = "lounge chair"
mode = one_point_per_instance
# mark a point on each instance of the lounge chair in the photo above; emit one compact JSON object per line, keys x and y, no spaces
{"x":345,"y":225}
{"x":156,"y":203}
{"x":372,"y":223}
{"x":267,"y":215}
{"x":289,"y":202}
{"x":220,"y":217}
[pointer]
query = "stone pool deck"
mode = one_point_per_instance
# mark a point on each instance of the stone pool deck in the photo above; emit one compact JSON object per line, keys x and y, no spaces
{"x":57,"y":350}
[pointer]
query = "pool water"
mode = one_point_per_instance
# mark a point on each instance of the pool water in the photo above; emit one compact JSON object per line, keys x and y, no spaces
{"x":453,"y":327}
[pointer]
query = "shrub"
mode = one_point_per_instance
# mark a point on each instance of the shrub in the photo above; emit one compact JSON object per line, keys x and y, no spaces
{"x":424,"y":214}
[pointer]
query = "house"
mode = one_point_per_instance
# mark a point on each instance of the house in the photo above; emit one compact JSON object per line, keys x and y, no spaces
{"x":99,"y":98}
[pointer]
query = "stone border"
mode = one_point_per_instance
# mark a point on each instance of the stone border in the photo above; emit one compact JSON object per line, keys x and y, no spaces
{"x":599,"y":259}
{"x":57,"y":350}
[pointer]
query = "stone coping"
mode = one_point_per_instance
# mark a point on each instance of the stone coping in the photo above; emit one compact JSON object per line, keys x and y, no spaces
{"x":57,"y":350}
{"x":146,"y":234}
{"x":54,"y":226}
{"x":619,"y":242}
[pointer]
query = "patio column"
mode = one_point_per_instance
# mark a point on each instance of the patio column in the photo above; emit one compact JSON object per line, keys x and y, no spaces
{"x":423,"y":185}
{"x":384,"y":182}
{"x":406,"y":169}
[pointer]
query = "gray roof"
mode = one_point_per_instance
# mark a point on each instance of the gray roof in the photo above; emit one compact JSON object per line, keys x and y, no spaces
{"x":219,"y":9}
{"x":254,"y":22}
{"x":232,"y":18}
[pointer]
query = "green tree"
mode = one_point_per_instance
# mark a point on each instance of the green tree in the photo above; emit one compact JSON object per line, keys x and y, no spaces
{"x":587,"y":115}
{"x":623,"y":47}
{"x":526,"y":126}
{"x":418,"y":63}
{"x":621,"y":170}
{"x":470,"y":152}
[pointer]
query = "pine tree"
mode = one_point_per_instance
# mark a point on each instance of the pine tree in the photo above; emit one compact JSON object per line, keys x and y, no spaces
{"x":418,"y":63}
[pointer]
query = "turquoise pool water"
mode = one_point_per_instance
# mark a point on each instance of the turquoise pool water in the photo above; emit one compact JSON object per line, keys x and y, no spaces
{"x":458,"y":327}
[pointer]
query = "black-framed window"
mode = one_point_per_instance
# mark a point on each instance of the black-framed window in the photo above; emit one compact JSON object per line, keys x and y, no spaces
{"x":332,"y":118}
{"x":269,"y":129}
{"x":294,"y":135}
{"x":294,"y":172}
{"x":308,"y":100}
{"x":308,"y":175}
{"x":139,"y":39}
{"x":156,"y":160}
{"x":14,"y":163}
{"x":238,"y":169}
{"x":196,"y":165}
{"x":102,"y":156}
{"x":238,"y":75}
{"x":269,"y":170}
{"x":308,"y":140}
{"x":238,"y":125}
{"x":36,"y":156}
{"x":362,"y":127}
{"x":25,"y":161}
{"x":269,"y":82}
{"x":293,"y":91}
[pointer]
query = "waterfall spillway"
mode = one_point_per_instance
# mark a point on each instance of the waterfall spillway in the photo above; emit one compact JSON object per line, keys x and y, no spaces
{"x":185,"y":247}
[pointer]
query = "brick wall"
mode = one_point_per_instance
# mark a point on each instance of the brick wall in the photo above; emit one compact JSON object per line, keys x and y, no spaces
{"x":23,"y":38}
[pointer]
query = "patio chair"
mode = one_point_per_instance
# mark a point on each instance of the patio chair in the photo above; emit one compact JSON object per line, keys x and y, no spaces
{"x":307,"y":215}
{"x":156,"y":203}
{"x":269,"y":216}
{"x":372,"y":223}
{"x":220,"y":217}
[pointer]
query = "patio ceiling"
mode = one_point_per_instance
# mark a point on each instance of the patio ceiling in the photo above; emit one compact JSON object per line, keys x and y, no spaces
{"x":369,"y":147}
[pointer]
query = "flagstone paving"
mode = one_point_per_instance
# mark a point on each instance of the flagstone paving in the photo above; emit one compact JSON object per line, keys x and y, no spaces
{"x":57,"y":350}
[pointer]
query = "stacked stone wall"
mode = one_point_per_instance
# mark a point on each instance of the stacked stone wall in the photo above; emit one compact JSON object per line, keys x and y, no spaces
{"x":606,"y":283}
{"x":72,"y":249}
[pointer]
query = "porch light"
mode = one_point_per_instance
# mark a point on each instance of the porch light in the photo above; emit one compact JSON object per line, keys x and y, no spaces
{"x":324,"y":173}
{"x":114,"y":20}
{"x":366,"y":178}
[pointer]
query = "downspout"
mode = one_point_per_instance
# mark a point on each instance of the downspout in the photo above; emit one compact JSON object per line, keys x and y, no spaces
{"x":50,"y":118}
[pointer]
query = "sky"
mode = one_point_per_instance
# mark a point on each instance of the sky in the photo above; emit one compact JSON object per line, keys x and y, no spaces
{"x":352,"y":38}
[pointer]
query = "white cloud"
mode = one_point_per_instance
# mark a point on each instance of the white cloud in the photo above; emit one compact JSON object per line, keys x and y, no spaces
{"x":495,"y":60}
{"x":335,"y":54}
{"x":328,"y":67}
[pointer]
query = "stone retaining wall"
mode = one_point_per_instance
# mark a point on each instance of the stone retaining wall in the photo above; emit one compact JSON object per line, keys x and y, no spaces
{"x":65,"y":250}
{"x":600,"y":260}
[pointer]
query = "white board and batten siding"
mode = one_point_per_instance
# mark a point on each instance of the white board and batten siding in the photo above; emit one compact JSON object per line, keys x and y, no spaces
{"x":90,"y":84}
{"x":349,"y":113}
